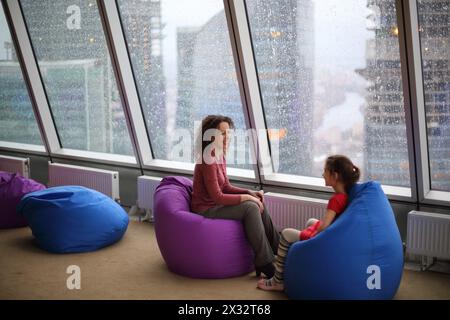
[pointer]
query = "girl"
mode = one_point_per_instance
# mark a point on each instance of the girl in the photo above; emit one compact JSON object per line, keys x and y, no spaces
{"x":340,"y":174}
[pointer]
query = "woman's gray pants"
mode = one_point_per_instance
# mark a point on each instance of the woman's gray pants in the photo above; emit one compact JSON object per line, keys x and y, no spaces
{"x":259,"y":228}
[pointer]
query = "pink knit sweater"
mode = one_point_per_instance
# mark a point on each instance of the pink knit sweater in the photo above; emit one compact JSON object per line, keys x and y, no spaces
{"x":212,"y":187}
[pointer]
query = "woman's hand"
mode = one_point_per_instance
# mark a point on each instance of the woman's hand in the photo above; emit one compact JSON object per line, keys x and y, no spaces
{"x":257,"y":194}
{"x":247,"y":197}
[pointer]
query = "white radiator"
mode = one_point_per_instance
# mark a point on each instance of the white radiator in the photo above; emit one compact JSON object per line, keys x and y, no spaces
{"x":428,"y":234}
{"x":143,"y":210}
{"x":104,"y":181}
{"x":15,"y":165}
{"x":288,"y":211}
{"x":146,"y":189}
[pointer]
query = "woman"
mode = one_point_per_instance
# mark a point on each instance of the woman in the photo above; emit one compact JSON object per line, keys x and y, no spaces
{"x":214,"y":197}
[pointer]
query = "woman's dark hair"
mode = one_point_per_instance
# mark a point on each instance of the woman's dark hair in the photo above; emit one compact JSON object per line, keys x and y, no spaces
{"x":344,"y":167}
{"x":209,"y":122}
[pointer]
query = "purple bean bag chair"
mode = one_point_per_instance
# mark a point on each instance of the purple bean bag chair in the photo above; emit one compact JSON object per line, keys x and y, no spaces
{"x":193,"y":245}
{"x":12,"y":188}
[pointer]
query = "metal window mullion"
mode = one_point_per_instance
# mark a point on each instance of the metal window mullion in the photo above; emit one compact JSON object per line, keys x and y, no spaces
{"x":32,"y":76}
{"x":409,"y":90}
{"x":413,"y":81}
{"x":248,"y":84}
{"x":127,"y":87}
{"x":427,"y":195}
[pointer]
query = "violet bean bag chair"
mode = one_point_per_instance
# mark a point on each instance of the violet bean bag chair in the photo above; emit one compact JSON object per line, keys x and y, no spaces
{"x":69,"y":219}
{"x":12,"y":188}
{"x":192,"y":245}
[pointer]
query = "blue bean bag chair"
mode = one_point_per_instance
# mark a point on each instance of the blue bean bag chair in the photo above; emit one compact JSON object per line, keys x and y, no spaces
{"x":360,"y":256}
{"x":73,"y":219}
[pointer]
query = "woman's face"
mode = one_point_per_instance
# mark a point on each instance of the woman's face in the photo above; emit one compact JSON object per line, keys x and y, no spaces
{"x":330,"y":178}
{"x":224,"y":140}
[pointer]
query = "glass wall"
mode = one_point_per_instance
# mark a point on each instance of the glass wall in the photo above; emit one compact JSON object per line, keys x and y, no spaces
{"x":330,"y":79}
{"x":183,"y":65}
{"x":17,"y":121}
{"x":434,"y":20}
{"x":75,"y":66}
{"x":329,"y":75}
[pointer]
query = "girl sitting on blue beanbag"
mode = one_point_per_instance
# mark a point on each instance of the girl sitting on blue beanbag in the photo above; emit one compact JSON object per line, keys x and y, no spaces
{"x":340,"y":174}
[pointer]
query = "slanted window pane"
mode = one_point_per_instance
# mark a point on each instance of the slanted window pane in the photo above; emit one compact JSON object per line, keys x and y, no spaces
{"x":17,"y":121}
{"x":75,"y":65}
{"x":434,"y":21}
{"x":330,"y":77}
{"x":184,"y":70}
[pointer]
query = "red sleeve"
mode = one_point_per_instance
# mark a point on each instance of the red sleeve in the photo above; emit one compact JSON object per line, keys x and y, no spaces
{"x":213,"y":188}
{"x":228,"y":188}
{"x":310,"y":232}
{"x":338,"y":203}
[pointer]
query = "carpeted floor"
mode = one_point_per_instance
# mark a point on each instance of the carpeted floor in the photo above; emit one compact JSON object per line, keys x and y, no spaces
{"x":134,"y":269}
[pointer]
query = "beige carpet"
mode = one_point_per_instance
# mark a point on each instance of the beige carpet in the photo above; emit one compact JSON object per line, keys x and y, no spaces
{"x":134,"y":269}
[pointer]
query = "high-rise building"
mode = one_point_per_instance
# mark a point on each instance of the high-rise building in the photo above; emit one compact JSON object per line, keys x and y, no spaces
{"x":207,"y":78}
{"x":15,"y":106}
{"x":17,"y":122}
{"x":144,"y":33}
{"x":77,"y":72}
{"x":283,"y":40}
{"x":386,"y":153}
{"x":386,"y":156}
{"x":434,"y":21}
{"x":10,"y":53}
{"x":186,"y":41}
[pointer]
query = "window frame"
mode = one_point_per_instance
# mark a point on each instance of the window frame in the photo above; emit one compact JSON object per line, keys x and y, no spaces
{"x":262,"y":172}
{"x":426,"y":194}
{"x":16,"y":30}
{"x":41,"y":104}
{"x":268,"y":176}
{"x":134,"y":107}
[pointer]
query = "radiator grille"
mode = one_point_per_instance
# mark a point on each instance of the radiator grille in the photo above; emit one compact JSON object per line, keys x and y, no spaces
{"x":428,"y":234}
{"x":104,"y":181}
{"x":15,"y":165}
{"x":293,"y":211}
{"x":146,"y":189}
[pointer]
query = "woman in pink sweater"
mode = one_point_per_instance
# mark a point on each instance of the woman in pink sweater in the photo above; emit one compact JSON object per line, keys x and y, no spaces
{"x":214,"y":197}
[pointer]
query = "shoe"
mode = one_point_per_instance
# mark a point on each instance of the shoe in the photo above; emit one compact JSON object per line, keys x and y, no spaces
{"x":268,"y":270}
{"x":270,"y":285}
